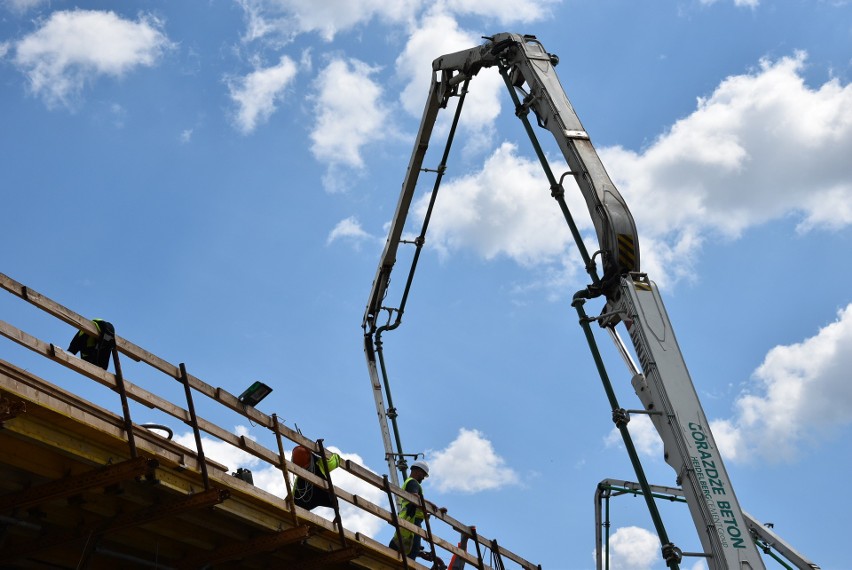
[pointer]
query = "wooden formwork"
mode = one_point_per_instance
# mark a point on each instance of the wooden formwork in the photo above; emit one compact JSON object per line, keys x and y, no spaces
{"x":84,"y":486}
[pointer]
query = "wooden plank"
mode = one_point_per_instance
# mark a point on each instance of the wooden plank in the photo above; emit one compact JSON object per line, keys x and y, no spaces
{"x":50,"y":351}
{"x":125,"y":346}
{"x":372,"y":508}
{"x":47,"y":305}
{"x":52,"y":398}
{"x":250,"y":446}
{"x":133,"y":391}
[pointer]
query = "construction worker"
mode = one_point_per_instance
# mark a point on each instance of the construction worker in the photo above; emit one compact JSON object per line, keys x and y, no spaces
{"x":305,"y":493}
{"x":413,"y":514}
{"x":96,"y":350}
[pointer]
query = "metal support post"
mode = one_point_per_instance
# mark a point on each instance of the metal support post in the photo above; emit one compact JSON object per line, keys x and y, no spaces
{"x":671,"y":553}
{"x":337,"y":519}
{"x":479,"y":561}
{"x":194,"y":424}
{"x":125,"y":407}
{"x":426,"y":520}
{"x":395,"y":517}
{"x":496,"y":559}
{"x":283,"y":464}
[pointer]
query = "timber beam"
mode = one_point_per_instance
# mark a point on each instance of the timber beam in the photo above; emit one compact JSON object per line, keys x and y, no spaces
{"x":69,"y":486}
{"x":331,"y":559}
{"x":236,"y":551}
{"x":143,"y":516}
{"x":9,"y":409}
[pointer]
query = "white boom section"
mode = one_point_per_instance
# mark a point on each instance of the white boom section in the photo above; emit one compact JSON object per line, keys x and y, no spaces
{"x":666,"y":390}
{"x":776,"y":542}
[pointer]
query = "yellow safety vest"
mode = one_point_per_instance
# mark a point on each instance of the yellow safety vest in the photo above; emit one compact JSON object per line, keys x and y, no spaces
{"x":412,"y":514}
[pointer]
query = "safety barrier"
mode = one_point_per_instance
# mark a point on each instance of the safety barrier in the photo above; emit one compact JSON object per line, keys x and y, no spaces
{"x":193,"y":386}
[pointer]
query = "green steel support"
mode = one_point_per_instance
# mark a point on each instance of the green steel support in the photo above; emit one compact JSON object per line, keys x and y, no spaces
{"x":672,"y":558}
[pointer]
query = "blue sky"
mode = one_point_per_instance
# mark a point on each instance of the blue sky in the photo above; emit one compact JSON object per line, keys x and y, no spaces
{"x":217,"y":178}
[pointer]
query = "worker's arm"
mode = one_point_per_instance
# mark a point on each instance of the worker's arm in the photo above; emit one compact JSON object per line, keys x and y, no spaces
{"x":332,"y":462}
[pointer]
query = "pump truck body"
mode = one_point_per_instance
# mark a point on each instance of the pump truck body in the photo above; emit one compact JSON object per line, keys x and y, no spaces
{"x":663,"y":383}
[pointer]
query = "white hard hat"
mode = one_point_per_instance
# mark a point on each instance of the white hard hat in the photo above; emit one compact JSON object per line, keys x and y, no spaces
{"x":421,"y":465}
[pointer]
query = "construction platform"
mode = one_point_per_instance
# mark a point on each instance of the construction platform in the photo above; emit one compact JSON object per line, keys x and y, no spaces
{"x":84,"y":486}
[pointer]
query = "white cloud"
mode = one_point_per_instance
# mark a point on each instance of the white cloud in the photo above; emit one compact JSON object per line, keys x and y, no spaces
{"x":633,"y":548}
{"x":437,"y":34}
{"x":271,"y":480}
{"x":801,"y":394}
{"x":505,"y":209}
{"x":738,"y":3}
{"x":643,"y":434}
{"x":73,"y":48}
{"x":470,"y":465}
{"x":503,"y":11}
{"x":349,"y":116}
{"x":21,"y":6}
{"x":349,"y":229}
{"x":220,"y":451}
{"x":284,"y":19}
{"x":762,"y":146}
{"x":257,"y":93}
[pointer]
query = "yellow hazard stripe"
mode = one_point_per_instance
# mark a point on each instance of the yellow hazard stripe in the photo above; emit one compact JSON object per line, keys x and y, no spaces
{"x":627,"y":252}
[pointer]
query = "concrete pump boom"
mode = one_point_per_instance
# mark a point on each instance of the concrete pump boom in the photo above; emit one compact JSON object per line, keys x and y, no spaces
{"x":663,"y":384}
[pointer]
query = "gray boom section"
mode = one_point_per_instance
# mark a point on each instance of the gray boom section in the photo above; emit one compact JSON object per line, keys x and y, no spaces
{"x":526,"y":62}
{"x":388,"y":259}
{"x":779,"y":544}
{"x":382,"y":279}
{"x":666,"y":390}
{"x":616,"y":230}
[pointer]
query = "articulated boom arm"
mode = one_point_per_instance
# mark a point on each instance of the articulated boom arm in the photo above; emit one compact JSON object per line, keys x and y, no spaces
{"x":525,"y":62}
{"x":663,"y":386}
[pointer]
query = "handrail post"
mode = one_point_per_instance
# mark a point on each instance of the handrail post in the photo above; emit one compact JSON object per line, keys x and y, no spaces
{"x":395,"y":517}
{"x":336,"y":504}
{"x":125,"y":407}
{"x":283,"y":461}
{"x":194,"y":424}
{"x":426,"y":520}
{"x":495,"y":553}
{"x":478,"y":550}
